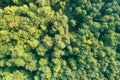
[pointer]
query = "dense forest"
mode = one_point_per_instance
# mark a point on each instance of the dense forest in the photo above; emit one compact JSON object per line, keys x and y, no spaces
{"x":59,"y":39}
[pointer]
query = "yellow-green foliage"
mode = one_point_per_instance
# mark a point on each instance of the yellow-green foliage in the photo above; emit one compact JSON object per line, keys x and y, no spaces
{"x":59,"y":39}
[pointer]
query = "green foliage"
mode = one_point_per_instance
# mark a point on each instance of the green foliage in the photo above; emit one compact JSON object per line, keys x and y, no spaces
{"x":47,"y":41}
{"x":43,"y":2}
{"x":46,"y":72}
{"x":43,"y":62}
{"x":59,"y":40}
{"x":41,"y":50}
{"x":57,"y":52}
{"x":15,"y":75}
{"x":72,"y":63}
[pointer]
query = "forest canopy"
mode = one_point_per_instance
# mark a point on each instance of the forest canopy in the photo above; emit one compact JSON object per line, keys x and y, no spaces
{"x":59,"y":39}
